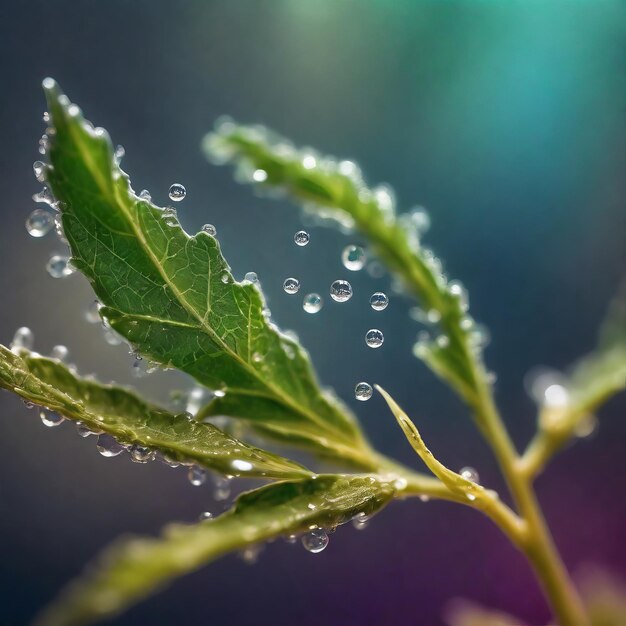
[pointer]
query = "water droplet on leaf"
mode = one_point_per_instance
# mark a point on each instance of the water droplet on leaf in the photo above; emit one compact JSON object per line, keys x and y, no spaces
{"x":23,"y":339}
{"x":315,"y":541}
{"x":109,"y":446}
{"x":196,"y":475}
{"x":59,"y":266}
{"x":39,"y":223}
{"x":50,"y":418}
{"x":469,"y":473}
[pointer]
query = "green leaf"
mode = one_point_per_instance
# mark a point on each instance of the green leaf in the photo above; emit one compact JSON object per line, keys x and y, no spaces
{"x":591,"y":382}
{"x":131,"y":420}
{"x":174,"y":298}
{"x":334,"y":189}
{"x":135,"y":568}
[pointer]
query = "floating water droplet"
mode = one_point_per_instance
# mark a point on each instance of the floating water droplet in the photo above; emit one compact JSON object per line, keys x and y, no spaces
{"x":360,"y":521}
{"x":315,"y":541}
{"x":209,"y":229}
{"x":251,"y":277}
{"x":301,"y":238}
{"x":59,"y":266}
{"x":140,"y":454}
{"x":46,"y":116}
{"x":177,"y":192}
{"x":50,"y":418}
{"x":291,"y":285}
{"x":144,"y":194}
{"x":205,"y":515}
{"x":379,"y":301}
{"x":469,"y":473}
{"x":312,"y":303}
{"x":353,"y":258}
{"x":39,"y":223}
{"x":39,"y":169}
{"x":92,"y":314}
{"x":109,"y":446}
{"x":196,"y":475}
{"x":341,"y":291}
{"x":60,"y":353}
{"x":363,"y":391}
{"x":259,"y":176}
{"x":374,"y":338}
{"x":23,"y":339}
{"x":222,"y":488}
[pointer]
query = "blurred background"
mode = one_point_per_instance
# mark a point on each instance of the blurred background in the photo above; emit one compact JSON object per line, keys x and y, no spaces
{"x":505,"y":120}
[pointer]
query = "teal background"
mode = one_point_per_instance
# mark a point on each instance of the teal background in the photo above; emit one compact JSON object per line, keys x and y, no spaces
{"x":504,"y":119}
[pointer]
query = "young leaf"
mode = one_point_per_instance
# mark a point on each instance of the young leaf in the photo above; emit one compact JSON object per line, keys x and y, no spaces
{"x":174,"y":298}
{"x":135,"y":568}
{"x":131,"y":420}
{"x":336,"y":189}
{"x":592,"y":381}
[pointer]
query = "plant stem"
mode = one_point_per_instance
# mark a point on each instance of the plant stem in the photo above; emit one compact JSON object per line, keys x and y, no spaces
{"x":537,"y":543}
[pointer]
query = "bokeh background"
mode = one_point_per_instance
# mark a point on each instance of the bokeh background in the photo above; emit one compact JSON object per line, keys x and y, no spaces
{"x":504,"y":119}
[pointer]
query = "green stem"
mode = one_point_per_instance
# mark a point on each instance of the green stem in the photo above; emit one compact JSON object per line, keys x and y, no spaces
{"x":537,"y":543}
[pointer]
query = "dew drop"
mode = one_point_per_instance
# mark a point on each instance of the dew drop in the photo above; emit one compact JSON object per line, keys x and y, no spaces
{"x":50,"y":418}
{"x":84,"y":431}
{"x":28,"y":404}
{"x":315,"y":541}
{"x":341,"y":291}
{"x":45,"y":197}
{"x":458,"y":291}
{"x":177,"y":192}
{"x":39,"y":169}
{"x":259,"y":176}
{"x":140,"y":454}
{"x":196,"y":475}
{"x":291,"y":285}
{"x":360,"y":521}
{"x":555,"y":396}
{"x":586,"y":426}
{"x":443,"y":341}
{"x":251,"y":277}
{"x":197,"y":397}
{"x":59,"y":266}
{"x":205,"y":515}
{"x":60,"y":353}
{"x":363,"y":391}
{"x":420,"y":220}
{"x":118,"y":155}
{"x":39,"y":223}
{"x":353,"y":258}
{"x":109,"y":446}
{"x":241,"y":466}
{"x":92,"y":314}
{"x":23,"y":339}
{"x":222,"y":488}
{"x":374,"y":338}
{"x":58,"y":227}
{"x":144,"y":194}
{"x":379,"y":301}
{"x":469,"y":473}
{"x":209,"y":229}
{"x":169,"y":216}
{"x":301,"y":238}
{"x":45,"y":117}
{"x":225,"y":278}
{"x":312,"y":303}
